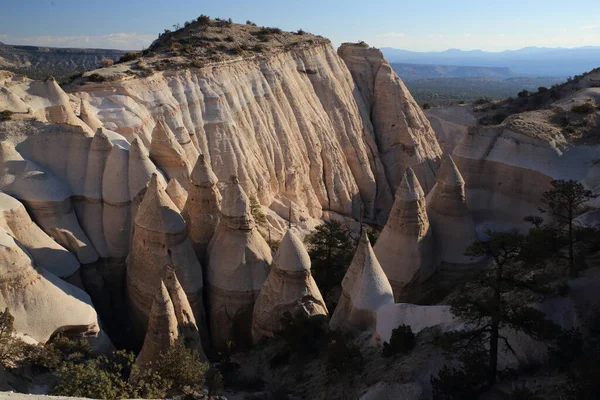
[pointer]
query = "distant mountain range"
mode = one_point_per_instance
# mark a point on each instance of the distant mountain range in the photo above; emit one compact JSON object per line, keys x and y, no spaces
{"x":531,"y":61}
{"x":415,"y":72}
{"x":40,"y":62}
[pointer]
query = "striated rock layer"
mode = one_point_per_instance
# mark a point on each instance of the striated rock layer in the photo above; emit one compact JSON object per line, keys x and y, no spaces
{"x":403,"y":133}
{"x":452,"y":224}
{"x":405,"y":247}
{"x":159,"y":239}
{"x":289,"y":287}
{"x":239,"y":261}
{"x":365,"y":288}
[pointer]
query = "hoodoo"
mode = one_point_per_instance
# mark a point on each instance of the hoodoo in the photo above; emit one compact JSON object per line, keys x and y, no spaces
{"x":177,"y":193}
{"x":41,"y":303}
{"x":405,"y":247}
{"x":365,"y":288}
{"x":452,"y":224}
{"x":404,"y":136}
{"x":289,"y":287}
{"x":239,"y":261}
{"x":202,"y":209}
{"x":160,"y":238}
{"x":167,"y":153}
{"x":162,"y":330}
{"x":186,"y":322}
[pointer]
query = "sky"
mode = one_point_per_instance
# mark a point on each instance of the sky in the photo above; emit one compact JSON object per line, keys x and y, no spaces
{"x":418,"y":25}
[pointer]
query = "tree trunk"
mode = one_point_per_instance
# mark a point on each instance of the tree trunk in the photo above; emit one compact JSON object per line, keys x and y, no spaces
{"x":571,"y":250}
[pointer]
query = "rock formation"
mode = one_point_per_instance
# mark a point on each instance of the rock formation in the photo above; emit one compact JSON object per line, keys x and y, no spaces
{"x":41,"y":303}
{"x":239,"y":261}
{"x":405,"y":247}
{"x":289,"y":287}
{"x":162,"y":331}
{"x":168,"y":155}
{"x":452,"y":224}
{"x":404,"y":136}
{"x":177,"y":193}
{"x":160,"y":238}
{"x":365,"y":288}
{"x":202,"y":210}
{"x":186,"y":322}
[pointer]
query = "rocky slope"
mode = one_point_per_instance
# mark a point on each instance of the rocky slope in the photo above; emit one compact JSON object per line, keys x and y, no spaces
{"x":42,"y":62}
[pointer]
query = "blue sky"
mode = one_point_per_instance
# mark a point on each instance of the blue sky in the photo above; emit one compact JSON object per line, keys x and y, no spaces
{"x":421,"y":25}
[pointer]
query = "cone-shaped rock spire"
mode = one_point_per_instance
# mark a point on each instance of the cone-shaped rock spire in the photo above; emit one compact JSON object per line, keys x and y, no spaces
{"x":168,"y":154}
{"x":188,"y":329}
{"x":452,"y":224}
{"x":202,"y":210}
{"x":405,"y":248}
{"x":162,"y":331}
{"x":160,"y":238}
{"x":239,"y":260}
{"x":88,"y":117}
{"x":365,"y":288}
{"x":289,"y":287}
{"x":177,"y":193}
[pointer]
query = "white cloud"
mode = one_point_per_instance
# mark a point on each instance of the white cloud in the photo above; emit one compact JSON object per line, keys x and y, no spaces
{"x":392,"y":35}
{"x":467,"y":34}
{"x":121,"y":40}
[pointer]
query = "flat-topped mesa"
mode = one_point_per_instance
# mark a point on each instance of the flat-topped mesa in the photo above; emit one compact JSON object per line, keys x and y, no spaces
{"x":177,"y":193}
{"x":186,"y":323}
{"x":365,"y":288}
{"x":405,"y":248}
{"x":239,"y":261}
{"x":167,"y":153}
{"x":162,"y":331}
{"x":160,"y":238}
{"x":202,"y":210}
{"x":41,"y":303}
{"x":289,"y":287}
{"x":404,"y":136}
{"x":452,"y":224}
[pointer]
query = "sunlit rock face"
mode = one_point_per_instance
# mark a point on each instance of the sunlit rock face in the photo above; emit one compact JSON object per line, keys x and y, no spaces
{"x":365,"y":288}
{"x":289,"y":287}
{"x":239,"y":259}
{"x":405,"y":247}
{"x":403,"y":133}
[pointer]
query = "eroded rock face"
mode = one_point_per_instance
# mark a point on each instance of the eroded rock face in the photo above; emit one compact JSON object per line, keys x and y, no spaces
{"x":289,"y":287}
{"x":162,"y":331}
{"x":202,"y":210}
{"x":451,"y":221}
{"x":239,"y":262}
{"x":405,"y":247}
{"x":177,"y":193}
{"x":41,"y":303}
{"x":365,"y":288}
{"x":404,"y":135}
{"x":159,"y":239}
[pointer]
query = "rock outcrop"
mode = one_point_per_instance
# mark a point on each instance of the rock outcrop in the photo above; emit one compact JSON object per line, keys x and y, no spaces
{"x":239,"y":262}
{"x":365,"y":289}
{"x":405,"y":247}
{"x":202,"y":210}
{"x":41,"y":303}
{"x":451,"y":222}
{"x":289,"y":287}
{"x":162,"y":331}
{"x":177,"y":193}
{"x":160,"y":238}
{"x":404,"y":136}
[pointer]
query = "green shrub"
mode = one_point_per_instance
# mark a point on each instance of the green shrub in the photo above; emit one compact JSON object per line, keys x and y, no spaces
{"x":481,"y":101}
{"x":464,"y":382}
{"x":95,"y":77}
{"x":585,"y":108}
{"x":304,"y":336}
{"x":129,"y":57}
{"x":213,"y":382}
{"x":522,"y":393}
{"x":542,"y":89}
{"x":402,"y":341}
{"x":269,"y":31}
{"x":342,"y":357}
{"x":182,"y":366}
{"x":523,"y":93}
{"x":300,"y":32}
{"x":462,"y":102}
{"x":203,"y":20}
{"x":6,"y":115}
{"x":426,"y":106}
{"x":250,"y":23}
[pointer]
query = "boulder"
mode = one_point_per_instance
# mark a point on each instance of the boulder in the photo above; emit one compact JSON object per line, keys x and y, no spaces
{"x":160,"y":238}
{"x":239,"y":262}
{"x":452,"y":224}
{"x":289,"y":287}
{"x":405,"y":247}
{"x":365,"y":289}
{"x":202,"y":209}
{"x":162,"y":331}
